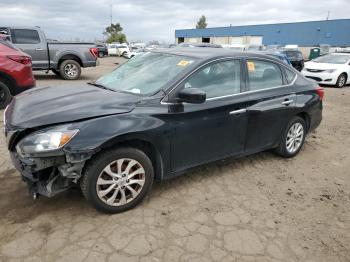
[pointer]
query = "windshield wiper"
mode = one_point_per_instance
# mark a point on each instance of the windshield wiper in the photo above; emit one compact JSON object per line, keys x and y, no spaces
{"x":101,"y":86}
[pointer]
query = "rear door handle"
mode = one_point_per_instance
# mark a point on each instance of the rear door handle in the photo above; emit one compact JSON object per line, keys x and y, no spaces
{"x":39,"y":49}
{"x":239,"y":111}
{"x":287,"y":102}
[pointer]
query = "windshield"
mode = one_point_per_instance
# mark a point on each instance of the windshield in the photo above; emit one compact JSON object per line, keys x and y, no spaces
{"x":146,"y":73}
{"x":333,"y":59}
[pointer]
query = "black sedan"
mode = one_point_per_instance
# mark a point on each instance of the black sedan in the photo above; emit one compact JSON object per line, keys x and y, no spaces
{"x":155,"y":117}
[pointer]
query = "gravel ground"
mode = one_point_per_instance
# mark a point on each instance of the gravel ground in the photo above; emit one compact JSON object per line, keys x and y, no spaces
{"x":258,"y":208}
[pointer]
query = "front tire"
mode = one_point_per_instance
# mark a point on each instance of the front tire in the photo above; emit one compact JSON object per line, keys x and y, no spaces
{"x":70,"y":70}
{"x":5,"y":95}
{"x":292,"y":138}
{"x":100,"y":54}
{"x":341,"y":82}
{"x":117,"y":180}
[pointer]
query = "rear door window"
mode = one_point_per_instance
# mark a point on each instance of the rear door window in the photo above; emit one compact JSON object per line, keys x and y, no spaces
{"x":25,"y":36}
{"x":263,"y":75}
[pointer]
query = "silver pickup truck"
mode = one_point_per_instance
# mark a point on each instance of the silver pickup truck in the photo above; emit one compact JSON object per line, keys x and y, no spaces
{"x":64,"y":59}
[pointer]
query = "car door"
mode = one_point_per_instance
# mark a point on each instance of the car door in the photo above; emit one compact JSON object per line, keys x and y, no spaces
{"x":28,"y":40}
{"x":271,"y":104}
{"x":216,"y":128}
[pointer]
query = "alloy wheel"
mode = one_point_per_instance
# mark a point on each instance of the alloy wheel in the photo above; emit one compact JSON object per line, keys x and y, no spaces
{"x":71,"y":70}
{"x":120,"y":182}
{"x":342,"y":81}
{"x":295,"y":137}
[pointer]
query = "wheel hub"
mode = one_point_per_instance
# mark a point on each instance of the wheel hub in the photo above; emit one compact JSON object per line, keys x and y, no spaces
{"x":295,"y":137}
{"x":120,"y":182}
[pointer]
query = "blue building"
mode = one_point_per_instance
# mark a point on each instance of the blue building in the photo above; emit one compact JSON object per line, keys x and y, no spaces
{"x":305,"y":34}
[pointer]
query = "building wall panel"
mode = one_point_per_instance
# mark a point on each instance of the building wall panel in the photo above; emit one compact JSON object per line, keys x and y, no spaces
{"x":332,"y":32}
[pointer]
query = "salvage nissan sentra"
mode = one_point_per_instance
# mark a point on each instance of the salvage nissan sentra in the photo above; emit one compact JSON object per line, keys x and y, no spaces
{"x":154,"y":117}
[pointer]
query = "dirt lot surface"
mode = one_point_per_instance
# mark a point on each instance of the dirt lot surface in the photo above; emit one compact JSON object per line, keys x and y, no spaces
{"x":258,"y":208}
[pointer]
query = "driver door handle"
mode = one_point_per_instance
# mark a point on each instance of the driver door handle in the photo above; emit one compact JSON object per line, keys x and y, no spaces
{"x":239,"y":111}
{"x":38,"y":49}
{"x":287,"y":102}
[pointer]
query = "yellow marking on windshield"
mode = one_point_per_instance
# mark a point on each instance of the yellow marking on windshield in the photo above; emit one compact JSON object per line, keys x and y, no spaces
{"x":184,"y":63}
{"x":251,"y":66}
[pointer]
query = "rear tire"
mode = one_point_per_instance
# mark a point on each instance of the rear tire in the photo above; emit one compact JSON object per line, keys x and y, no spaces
{"x":5,"y":95}
{"x":341,"y":82}
{"x":293,"y":138}
{"x":70,"y":70}
{"x":109,"y":182}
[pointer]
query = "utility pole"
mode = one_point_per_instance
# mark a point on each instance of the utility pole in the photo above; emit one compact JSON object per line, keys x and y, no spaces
{"x":111,"y":13}
{"x":328,"y":14}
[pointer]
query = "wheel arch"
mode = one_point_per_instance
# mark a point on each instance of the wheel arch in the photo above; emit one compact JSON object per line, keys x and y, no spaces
{"x":306,"y":117}
{"x":142,"y":144}
{"x":346,"y":75}
{"x":69,"y":57}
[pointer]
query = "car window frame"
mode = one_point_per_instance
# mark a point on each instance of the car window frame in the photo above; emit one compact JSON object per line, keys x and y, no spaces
{"x":277,"y":63}
{"x":23,"y":29}
{"x":172,"y":94}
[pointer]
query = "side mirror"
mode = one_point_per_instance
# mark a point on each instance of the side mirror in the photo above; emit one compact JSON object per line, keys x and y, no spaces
{"x":192,"y":95}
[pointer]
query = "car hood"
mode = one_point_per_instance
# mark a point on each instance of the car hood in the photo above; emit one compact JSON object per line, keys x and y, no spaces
{"x":53,"y":105}
{"x":321,"y":66}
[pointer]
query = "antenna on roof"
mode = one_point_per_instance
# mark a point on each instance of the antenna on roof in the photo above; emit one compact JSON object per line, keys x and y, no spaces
{"x":328,"y":14}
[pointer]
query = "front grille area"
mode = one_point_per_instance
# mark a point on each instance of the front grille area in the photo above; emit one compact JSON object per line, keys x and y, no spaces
{"x":314,"y":78}
{"x":315,"y":70}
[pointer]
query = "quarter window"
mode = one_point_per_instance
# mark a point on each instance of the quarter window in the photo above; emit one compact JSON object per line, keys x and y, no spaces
{"x":263,"y":74}
{"x":218,"y":79}
{"x":290,"y":75}
{"x":25,"y":36}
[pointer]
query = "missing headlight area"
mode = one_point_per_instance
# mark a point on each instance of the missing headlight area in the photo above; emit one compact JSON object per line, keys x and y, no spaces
{"x":49,"y":176}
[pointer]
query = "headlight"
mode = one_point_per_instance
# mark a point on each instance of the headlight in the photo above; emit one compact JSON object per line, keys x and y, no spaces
{"x":330,"y":70}
{"x":45,"y":141}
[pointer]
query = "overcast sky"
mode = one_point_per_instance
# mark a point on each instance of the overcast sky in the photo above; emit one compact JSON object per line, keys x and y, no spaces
{"x":157,"y":19}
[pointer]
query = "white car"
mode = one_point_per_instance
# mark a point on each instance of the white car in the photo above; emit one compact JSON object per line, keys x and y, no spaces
{"x":118,"y":49}
{"x":330,"y":69}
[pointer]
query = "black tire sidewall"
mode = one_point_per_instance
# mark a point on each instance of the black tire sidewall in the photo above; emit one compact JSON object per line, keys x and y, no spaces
{"x":8,"y":95}
{"x":282,"y":149}
{"x":95,"y":167}
{"x":66,"y":62}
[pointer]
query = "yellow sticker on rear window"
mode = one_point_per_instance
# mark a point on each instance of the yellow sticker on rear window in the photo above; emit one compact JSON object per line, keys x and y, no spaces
{"x":183,"y":63}
{"x":251,"y":66}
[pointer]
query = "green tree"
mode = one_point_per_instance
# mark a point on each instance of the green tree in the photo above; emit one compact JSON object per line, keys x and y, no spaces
{"x":202,"y":22}
{"x":114,"y":33}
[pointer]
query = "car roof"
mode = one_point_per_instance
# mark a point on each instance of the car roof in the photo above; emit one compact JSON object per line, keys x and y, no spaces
{"x":211,"y":53}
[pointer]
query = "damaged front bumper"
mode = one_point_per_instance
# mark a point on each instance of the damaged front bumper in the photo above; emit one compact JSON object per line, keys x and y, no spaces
{"x":50,"y":175}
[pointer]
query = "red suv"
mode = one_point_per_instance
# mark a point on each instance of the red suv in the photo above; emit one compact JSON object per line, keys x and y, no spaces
{"x":15,"y":72}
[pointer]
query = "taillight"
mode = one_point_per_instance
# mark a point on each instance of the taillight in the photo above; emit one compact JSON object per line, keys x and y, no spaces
{"x":320,"y":92}
{"x":25,"y":60}
{"x":94,"y":51}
